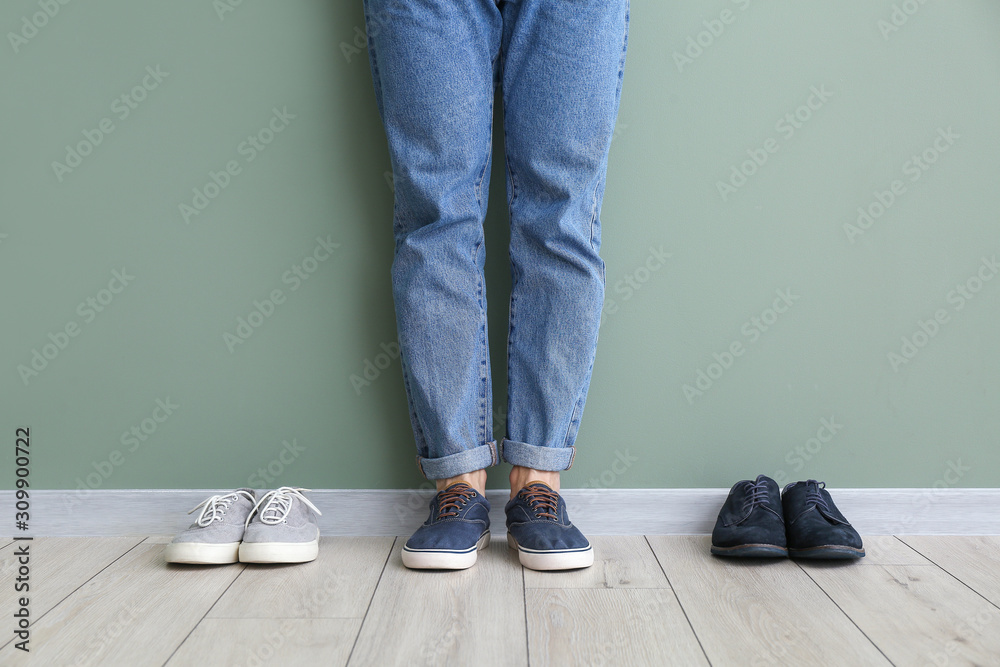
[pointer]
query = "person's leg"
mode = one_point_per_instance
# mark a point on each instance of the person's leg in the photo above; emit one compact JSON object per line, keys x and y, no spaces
{"x":433,"y":65}
{"x":562,"y":68}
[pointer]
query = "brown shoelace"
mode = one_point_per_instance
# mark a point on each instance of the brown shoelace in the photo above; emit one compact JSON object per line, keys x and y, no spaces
{"x":451,"y":500}
{"x":543,"y":503}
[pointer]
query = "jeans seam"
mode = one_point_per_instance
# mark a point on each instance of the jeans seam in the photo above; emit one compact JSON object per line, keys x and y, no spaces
{"x":512,"y":194}
{"x":621,"y":62}
{"x":484,"y":376}
{"x":376,"y":77}
{"x":489,"y":151}
{"x":578,"y":410}
{"x":415,"y":418}
{"x":484,"y":365}
{"x":511,"y":314}
{"x":572,"y":418}
{"x":575,"y":417}
{"x":397,"y":222}
{"x":515,"y":273}
{"x":618,"y":92}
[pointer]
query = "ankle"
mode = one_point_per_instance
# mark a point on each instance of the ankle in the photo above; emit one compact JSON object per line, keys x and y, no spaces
{"x":476,"y":479}
{"x":521,"y":477}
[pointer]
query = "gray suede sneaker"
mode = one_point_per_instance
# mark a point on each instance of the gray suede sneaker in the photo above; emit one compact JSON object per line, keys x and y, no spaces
{"x":215,"y":535}
{"x":281,"y":529}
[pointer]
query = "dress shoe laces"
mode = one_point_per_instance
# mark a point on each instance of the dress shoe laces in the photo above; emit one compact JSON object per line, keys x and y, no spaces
{"x":756,"y":495}
{"x":813,"y":496}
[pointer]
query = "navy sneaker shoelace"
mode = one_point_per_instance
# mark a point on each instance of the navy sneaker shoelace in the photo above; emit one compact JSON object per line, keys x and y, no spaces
{"x":756,"y":495}
{"x":544,"y":503}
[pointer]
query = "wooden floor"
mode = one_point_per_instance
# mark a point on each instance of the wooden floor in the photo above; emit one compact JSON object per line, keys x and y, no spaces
{"x":646,"y":601}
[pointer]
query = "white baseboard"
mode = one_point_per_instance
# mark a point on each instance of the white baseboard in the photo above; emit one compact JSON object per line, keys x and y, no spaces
{"x":596,"y":511}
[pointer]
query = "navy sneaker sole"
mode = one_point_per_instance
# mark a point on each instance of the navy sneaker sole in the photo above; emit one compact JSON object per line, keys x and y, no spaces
{"x":751,"y":551}
{"x":444,"y":559}
{"x":552,"y":559}
{"x":828,"y":552}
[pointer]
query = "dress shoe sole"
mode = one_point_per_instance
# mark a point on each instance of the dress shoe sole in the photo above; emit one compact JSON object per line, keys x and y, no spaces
{"x":751,"y":551}
{"x":828,"y":552}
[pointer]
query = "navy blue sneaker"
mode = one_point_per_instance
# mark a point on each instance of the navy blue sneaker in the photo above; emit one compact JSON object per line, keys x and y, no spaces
{"x":814,"y":526}
{"x":750,"y":523}
{"x":450,"y":539}
{"x":538,"y":528}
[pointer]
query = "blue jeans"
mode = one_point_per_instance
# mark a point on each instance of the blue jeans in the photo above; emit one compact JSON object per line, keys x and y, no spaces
{"x":435,"y":65}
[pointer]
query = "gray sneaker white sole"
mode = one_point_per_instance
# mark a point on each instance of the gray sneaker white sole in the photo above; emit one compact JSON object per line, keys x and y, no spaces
{"x":565,"y":559}
{"x":436,"y":559}
{"x":279,"y":552}
{"x":202,"y":553}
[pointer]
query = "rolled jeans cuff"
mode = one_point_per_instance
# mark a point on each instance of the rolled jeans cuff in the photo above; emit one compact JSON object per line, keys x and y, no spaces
{"x":538,"y":458}
{"x":453,"y":465}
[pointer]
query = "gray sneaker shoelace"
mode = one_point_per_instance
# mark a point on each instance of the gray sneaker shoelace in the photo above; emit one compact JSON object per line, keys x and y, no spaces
{"x":813,"y":496}
{"x":275,"y":505}
{"x":214,"y":508}
{"x":756,"y":495}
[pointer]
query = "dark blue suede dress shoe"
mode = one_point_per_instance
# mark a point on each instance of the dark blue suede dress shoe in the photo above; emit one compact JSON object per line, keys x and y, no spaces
{"x":450,"y":539}
{"x":814,"y":526}
{"x":750,"y":523}
{"x":538,"y":527}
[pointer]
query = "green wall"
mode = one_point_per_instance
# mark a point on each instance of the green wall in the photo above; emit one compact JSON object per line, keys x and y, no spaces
{"x":886,"y":87}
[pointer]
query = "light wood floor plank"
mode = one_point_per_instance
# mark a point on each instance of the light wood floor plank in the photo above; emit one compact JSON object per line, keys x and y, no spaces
{"x":338,"y":584}
{"x":916,"y":614}
{"x":887,"y":550}
{"x":627,"y":626}
{"x":619,"y":562}
{"x":272,"y":642}
{"x":974,"y":560}
{"x":135,"y":612}
{"x":465,"y":617}
{"x":60,"y":565}
{"x":758,"y":611}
